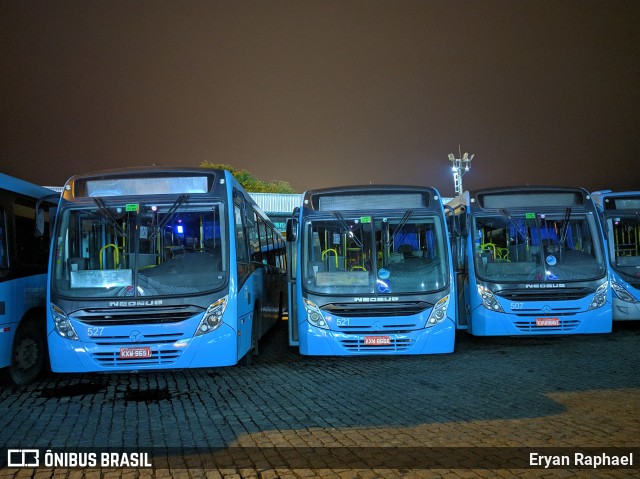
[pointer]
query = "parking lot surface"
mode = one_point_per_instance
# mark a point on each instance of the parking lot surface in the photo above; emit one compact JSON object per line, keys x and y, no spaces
{"x":479,"y":412}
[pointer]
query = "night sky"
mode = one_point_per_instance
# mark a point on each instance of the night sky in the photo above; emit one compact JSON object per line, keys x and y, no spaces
{"x":322,"y":93}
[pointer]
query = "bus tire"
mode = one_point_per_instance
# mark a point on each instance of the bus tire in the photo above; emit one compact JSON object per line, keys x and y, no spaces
{"x":28,"y":354}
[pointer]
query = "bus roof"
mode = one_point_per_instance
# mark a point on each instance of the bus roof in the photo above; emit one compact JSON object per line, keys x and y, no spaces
{"x":524,"y":196}
{"x":617,"y":200}
{"x":369,"y":197}
{"x":19,"y":186}
{"x":142,"y":181}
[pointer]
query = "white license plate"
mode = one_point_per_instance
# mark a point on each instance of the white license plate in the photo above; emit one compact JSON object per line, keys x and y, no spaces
{"x":135,"y":353}
{"x":547,"y":322}
{"x":377,"y":340}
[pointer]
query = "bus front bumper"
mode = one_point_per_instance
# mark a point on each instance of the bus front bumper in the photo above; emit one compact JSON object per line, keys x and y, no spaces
{"x":625,"y":311}
{"x":218,"y":348}
{"x":484,"y":322}
{"x":438,"y":339}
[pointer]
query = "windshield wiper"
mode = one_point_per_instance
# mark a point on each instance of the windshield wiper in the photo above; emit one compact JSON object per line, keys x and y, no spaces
{"x":521,"y":230}
{"x":171,"y":213}
{"x":403,"y":221}
{"x":345,"y":225}
{"x":565,"y":226}
{"x":106,"y":213}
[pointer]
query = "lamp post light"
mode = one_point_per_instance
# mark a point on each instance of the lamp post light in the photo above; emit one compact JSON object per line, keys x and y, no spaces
{"x":459,"y":168}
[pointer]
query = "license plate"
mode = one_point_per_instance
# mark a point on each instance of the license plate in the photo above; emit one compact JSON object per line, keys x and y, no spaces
{"x":547,"y":322}
{"x":135,"y":353}
{"x":377,"y":340}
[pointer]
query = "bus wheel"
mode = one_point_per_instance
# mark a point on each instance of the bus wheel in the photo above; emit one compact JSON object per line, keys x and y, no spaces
{"x":28,"y":354}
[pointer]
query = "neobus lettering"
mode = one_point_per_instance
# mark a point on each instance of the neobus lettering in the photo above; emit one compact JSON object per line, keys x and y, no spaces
{"x":149,"y":302}
{"x":544,"y":286}
{"x":376,"y":300}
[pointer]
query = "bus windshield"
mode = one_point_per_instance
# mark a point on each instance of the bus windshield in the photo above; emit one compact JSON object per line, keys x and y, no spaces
{"x":625,"y":256}
{"x":368,"y":255}
{"x":537,"y":247}
{"x":134,"y":249}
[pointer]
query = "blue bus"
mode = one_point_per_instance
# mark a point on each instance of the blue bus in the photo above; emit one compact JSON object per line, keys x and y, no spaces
{"x":23,"y":276}
{"x":161,"y":268}
{"x":621,"y":220}
{"x":530,"y":261}
{"x":370,"y":272}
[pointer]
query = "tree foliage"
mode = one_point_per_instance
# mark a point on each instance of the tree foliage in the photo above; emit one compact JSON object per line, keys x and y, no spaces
{"x":250,"y":182}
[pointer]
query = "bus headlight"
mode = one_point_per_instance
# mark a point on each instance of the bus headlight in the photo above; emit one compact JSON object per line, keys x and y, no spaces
{"x":62,"y":324}
{"x":439,"y":312}
{"x":489,"y":301}
{"x":622,"y":293}
{"x":314,"y":315}
{"x":600,"y":298}
{"x":212,"y":318}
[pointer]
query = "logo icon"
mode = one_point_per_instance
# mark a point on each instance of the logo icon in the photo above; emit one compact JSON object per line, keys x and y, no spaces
{"x":23,"y":458}
{"x":135,"y":336}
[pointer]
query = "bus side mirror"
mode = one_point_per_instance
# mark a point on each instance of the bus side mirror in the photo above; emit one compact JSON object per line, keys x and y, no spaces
{"x":458,"y":253}
{"x":292,"y":229}
{"x":41,"y":212}
{"x":39,"y":232}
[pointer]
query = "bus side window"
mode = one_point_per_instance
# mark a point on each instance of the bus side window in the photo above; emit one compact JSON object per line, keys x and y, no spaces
{"x":242,"y":255}
{"x":31,"y":250}
{"x":254,"y":240}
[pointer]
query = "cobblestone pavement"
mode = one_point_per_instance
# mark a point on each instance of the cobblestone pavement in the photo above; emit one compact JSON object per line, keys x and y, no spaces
{"x":301,"y":417}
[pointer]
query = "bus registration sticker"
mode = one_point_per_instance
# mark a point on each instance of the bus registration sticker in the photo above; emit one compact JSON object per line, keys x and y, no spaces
{"x":377,"y":340}
{"x":547,"y":322}
{"x":135,"y":353}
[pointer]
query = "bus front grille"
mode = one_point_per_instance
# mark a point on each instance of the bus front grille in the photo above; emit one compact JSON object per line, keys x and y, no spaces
{"x":136,"y":316}
{"x":356,"y":345}
{"x":164,"y":357}
{"x":355,"y":310}
{"x":384,"y":329}
{"x":529,"y":326}
{"x":545,"y":294}
{"x":137,"y":340}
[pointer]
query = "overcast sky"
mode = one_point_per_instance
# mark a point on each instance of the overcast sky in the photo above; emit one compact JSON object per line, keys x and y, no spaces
{"x":322,"y":93}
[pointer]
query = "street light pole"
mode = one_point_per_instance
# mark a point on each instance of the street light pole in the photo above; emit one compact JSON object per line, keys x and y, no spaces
{"x":459,"y":168}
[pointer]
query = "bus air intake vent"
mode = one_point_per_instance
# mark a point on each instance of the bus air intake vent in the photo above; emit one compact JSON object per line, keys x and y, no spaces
{"x":144,"y":340}
{"x":564,"y":326}
{"x":544,"y":294}
{"x":358,"y":310}
{"x":159,"y":357}
{"x":135,"y":316}
{"x":356,"y":345}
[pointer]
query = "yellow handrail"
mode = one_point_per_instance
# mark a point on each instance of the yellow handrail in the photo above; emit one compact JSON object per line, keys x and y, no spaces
{"x":335,"y":253}
{"x":116,"y":254}
{"x":489,"y":247}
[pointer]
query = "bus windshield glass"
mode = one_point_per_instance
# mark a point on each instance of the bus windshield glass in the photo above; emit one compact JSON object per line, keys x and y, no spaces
{"x":537,"y":247}
{"x":161,"y":249}
{"x":369,"y":255}
{"x":626,"y":244}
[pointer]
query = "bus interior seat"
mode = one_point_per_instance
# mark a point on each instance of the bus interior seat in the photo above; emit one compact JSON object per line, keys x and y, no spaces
{"x":316,"y":267}
{"x":406,"y":250}
{"x":77,"y":264}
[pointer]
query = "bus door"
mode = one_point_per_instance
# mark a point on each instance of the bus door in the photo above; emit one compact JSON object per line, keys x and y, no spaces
{"x":458,"y":238}
{"x":292,"y":263}
{"x":245,"y":290}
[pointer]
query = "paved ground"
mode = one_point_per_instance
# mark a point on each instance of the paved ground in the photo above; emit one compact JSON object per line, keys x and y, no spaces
{"x":479,"y":412}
